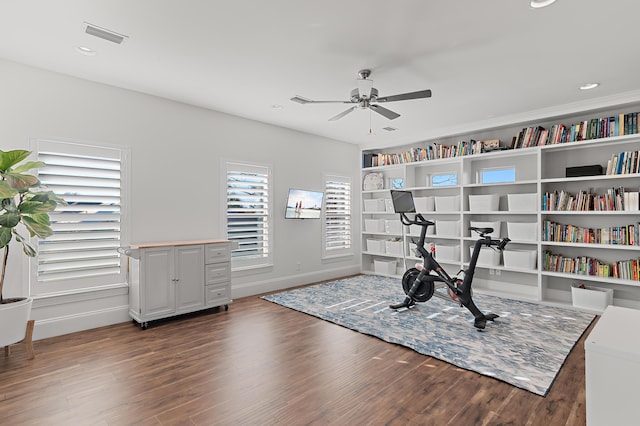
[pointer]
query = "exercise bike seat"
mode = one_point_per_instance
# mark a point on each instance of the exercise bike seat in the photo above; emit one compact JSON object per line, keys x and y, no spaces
{"x":481,"y":230}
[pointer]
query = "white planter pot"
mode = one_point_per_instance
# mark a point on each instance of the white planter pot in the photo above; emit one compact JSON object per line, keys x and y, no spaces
{"x":13,"y":321}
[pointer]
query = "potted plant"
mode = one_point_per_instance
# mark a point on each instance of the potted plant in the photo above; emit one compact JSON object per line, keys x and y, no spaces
{"x":23,"y":203}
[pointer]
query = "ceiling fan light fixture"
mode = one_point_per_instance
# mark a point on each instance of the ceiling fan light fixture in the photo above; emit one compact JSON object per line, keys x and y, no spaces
{"x":539,"y":4}
{"x":364,"y":87}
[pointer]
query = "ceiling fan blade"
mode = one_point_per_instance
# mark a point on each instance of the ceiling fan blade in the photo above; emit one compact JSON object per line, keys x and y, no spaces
{"x":406,"y":96}
{"x":385,"y":112}
{"x":302,"y":100}
{"x":342,"y":114}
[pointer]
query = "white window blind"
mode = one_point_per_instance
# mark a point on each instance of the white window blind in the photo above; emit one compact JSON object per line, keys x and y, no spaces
{"x":82,"y":252}
{"x":337,"y":216}
{"x":248,"y":219}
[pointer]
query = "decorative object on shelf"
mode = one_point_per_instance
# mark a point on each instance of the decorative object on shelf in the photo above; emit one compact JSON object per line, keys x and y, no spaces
{"x":593,"y":170}
{"x":373,"y":181}
{"x":23,"y":202}
{"x":397,"y":183}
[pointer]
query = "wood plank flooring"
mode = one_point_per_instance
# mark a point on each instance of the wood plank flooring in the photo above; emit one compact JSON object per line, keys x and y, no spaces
{"x":262,"y":364}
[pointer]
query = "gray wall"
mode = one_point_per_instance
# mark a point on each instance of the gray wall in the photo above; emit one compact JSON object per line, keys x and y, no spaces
{"x":172,"y":143}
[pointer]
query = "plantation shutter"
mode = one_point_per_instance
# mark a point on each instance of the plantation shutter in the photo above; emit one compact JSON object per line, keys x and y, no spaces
{"x":248,"y":219}
{"x":87,"y":230}
{"x":337,"y":221}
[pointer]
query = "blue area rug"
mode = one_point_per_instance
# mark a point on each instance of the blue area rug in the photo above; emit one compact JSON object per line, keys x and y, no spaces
{"x":525,"y":347}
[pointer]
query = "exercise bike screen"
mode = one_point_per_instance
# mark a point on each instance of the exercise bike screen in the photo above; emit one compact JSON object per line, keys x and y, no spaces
{"x":402,"y":201}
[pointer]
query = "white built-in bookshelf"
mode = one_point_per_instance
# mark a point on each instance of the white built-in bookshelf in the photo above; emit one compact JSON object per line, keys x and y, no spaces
{"x":559,"y":240}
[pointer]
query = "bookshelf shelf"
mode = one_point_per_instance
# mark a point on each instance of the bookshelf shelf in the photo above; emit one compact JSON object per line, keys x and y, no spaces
{"x":539,"y":170}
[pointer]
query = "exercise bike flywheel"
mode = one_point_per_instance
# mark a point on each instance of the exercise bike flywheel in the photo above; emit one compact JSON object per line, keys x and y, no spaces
{"x":425,"y":289}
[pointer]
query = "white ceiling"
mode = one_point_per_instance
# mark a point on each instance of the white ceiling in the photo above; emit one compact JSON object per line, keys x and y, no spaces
{"x":487,"y":62}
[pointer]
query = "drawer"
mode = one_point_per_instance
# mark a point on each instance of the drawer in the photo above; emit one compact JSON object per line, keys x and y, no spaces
{"x":216,"y":253}
{"x":216,"y":295}
{"x":217,"y":272}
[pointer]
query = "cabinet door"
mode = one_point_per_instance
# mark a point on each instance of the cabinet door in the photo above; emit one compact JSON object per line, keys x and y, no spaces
{"x":158,"y":294}
{"x":189,"y":263}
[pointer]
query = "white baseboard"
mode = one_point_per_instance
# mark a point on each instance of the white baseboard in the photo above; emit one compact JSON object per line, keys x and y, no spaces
{"x":249,"y":286}
{"x":57,"y":326}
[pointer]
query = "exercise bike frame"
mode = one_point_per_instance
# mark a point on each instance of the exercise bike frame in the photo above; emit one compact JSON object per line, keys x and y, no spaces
{"x":460,"y":288}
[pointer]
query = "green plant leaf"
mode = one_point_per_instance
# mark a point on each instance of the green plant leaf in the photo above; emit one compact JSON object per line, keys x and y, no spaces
{"x":30,"y":207}
{"x":26,"y":247}
{"x":28,"y":166}
{"x":11,"y":158}
{"x":9,"y":219}
{"x":6,"y":191}
{"x":38,"y":225}
{"x":47,"y":196}
{"x":5,"y":236}
{"x":20,"y":181}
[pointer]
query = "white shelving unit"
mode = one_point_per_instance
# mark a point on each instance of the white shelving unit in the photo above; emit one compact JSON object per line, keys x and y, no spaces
{"x":537,"y":170}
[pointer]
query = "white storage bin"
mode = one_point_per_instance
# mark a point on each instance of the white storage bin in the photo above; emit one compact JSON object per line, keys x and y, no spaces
{"x":522,"y":202}
{"x":450,"y":252}
{"x":487,"y":256}
{"x":519,"y":259}
{"x":388,"y":202}
{"x":484,"y":203}
{"x":495,"y":225}
{"x":375,"y":205}
{"x":448,"y":228}
{"x":522,"y":231}
{"x":424,"y":204}
{"x":393,"y":226}
{"x":375,"y":246}
{"x":447,"y":204}
{"x":387,"y":267}
{"x":374,"y":225}
{"x":393,"y":248}
{"x":593,"y":298}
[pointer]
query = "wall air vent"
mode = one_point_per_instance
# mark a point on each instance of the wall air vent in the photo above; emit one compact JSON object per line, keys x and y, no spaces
{"x":104,"y":33}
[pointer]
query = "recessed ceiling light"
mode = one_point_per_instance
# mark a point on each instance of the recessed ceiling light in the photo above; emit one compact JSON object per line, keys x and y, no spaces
{"x":538,"y":4}
{"x":588,"y":86}
{"x":85,"y":50}
{"x":276,"y":106}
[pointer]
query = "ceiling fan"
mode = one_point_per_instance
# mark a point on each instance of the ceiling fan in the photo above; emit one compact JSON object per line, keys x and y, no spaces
{"x":366,"y":96}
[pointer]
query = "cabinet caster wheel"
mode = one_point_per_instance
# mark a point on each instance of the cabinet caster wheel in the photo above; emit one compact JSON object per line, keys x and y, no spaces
{"x":144,"y":325}
{"x":226,"y":307}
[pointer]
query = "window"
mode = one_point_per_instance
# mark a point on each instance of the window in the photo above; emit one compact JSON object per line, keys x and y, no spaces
{"x":87,"y":231}
{"x":248,"y":213}
{"x":444,"y":179}
{"x":337,"y":216}
{"x":498,"y":175}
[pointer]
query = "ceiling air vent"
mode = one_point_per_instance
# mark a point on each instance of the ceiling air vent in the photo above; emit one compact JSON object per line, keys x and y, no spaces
{"x":389,"y":129}
{"x":104,"y":34}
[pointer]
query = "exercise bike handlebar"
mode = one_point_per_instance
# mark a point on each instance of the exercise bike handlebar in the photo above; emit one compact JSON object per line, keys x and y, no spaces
{"x":418,"y":220}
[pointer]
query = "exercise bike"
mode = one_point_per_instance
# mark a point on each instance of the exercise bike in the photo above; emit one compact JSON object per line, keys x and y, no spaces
{"x":419,"y":283}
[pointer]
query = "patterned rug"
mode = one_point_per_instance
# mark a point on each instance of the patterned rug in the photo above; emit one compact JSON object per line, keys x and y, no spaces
{"x":525,"y":347}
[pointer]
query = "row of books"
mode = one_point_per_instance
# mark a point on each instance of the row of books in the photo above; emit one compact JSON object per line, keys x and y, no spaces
{"x":432,"y":151}
{"x":595,"y":128}
{"x":615,"y":199}
{"x":622,"y":124}
{"x":585,"y":265}
{"x":622,"y":235}
{"x":624,"y":163}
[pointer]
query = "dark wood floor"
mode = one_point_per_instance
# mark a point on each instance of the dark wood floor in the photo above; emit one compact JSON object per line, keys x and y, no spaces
{"x":262,"y":364}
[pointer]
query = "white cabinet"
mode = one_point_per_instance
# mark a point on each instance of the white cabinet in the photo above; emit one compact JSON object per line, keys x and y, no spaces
{"x":612,"y":368}
{"x":506,"y":190}
{"x":169,"y":279}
